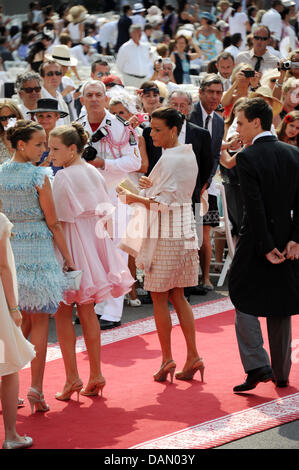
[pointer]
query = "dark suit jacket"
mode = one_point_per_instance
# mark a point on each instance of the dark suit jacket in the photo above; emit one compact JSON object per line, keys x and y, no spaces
{"x":201,"y":144}
{"x":269,"y":178}
{"x":217,"y":134}
{"x":123,"y":26}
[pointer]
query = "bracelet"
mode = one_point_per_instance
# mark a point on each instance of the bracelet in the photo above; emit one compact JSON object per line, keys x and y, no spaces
{"x":278,"y":84}
{"x":14,"y":309}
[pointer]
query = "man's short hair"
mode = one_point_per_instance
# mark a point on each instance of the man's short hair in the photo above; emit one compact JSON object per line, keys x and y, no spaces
{"x":135,"y":27}
{"x":257,"y":108}
{"x":93,"y":82}
{"x":260,"y":26}
{"x":210,"y":79}
{"x":25,"y":77}
{"x":98,"y":62}
{"x":185,"y":94}
{"x":45,"y":64}
{"x":224,"y":56}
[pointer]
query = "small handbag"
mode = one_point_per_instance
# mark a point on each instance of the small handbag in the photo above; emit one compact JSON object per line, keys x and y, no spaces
{"x":73,"y":279}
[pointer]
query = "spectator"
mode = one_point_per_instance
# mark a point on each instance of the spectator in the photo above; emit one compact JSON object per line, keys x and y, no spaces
{"x":272,"y":19}
{"x":138,"y":14}
{"x":75,"y":28}
{"x":258,"y":57}
{"x":288,"y":130}
{"x":99,"y":69}
{"x":170,"y":20}
{"x":38,"y":50}
{"x":207,"y":36}
{"x":235,"y":44}
{"x":133,"y":59}
{"x":51,"y":73}
{"x":238,"y":22}
{"x":5,"y":53}
{"x":123,"y":27}
{"x":83,"y":52}
{"x":28,"y":85}
{"x":164,"y":72}
{"x":8,"y":112}
{"x":181,"y":57}
{"x":225,"y":64}
{"x":290,"y":96}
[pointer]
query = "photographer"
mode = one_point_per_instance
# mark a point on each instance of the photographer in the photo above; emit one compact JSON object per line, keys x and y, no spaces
{"x":288,"y":68}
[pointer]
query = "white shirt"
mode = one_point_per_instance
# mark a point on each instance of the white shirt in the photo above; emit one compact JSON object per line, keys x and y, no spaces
{"x":108,"y":34}
{"x":77,"y":52}
{"x":227,"y":83}
{"x":182,"y":134}
{"x":261,"y":134}
{"x":233,"y":50}
{"x":134,"y":59}
{"x":273,"y":20}
{"x":212,"y":189}
{"x":127,"y":158}
{"x":237,"y":24}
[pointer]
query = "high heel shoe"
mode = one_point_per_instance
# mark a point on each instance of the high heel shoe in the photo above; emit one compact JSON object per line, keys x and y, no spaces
{"x":37,"y":399}
{"x":94,"y":388}
{"x":28,"y":441}
{"x":68,"y":391}
{"x":189,"y":373}
{"x":166,"y":368}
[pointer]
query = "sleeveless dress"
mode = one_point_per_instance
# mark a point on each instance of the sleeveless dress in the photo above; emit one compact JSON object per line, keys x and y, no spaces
{"x":15,"y":350}
{"x":40,"y":278}
{"x":208,"y":46}
{"x":82,"y":205}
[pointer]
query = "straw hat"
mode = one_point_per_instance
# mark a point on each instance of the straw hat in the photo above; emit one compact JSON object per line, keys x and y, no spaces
{"x":61,"y":55}
{"x":138,"y":8}
{"x":266,"y":92}
{"x":77,"y":14}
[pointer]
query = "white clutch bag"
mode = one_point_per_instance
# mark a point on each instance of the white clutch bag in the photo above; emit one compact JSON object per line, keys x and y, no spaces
{"x":73,"y":279}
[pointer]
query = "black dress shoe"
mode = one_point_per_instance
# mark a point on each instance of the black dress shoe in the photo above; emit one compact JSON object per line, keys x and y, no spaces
{"x":146,"y":299}
{"x":107,"y":324}
{"x":281,"y":383}
{"x":255,"y":376}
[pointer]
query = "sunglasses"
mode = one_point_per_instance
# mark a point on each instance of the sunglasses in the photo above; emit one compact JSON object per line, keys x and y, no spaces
{"x":112,"y":84}
{"x":6,"y":118}
{"x":101,"y":74}
{"x":261,"y":38}
{"x":37,"y":89}
{"x":51,"y":74}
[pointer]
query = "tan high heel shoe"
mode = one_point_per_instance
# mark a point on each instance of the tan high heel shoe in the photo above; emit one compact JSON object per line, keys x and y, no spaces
{"x":166,"y":368}
{"x":68,"y":391}
{"x":37,"y":400}
{"x":92,"y":389}
{"x":189,"y":373}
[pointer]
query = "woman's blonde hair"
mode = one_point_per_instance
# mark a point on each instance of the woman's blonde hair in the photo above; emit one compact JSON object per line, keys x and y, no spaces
{"x":7,"y":103}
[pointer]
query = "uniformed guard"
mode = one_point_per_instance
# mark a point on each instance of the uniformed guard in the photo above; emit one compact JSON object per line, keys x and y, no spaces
{"x":114,"y":151}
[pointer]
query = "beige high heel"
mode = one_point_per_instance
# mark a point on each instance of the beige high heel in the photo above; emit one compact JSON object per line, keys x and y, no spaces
{"x":37,"y":400}
{"x":69,"y":390}
{"x":165,"y":369}
{"x":94,"y":388}
{"x":188,"y":374}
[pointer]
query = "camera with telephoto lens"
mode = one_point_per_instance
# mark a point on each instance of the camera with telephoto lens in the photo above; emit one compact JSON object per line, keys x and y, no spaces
{"x":89,"y":152}
{"x":287,"y":65}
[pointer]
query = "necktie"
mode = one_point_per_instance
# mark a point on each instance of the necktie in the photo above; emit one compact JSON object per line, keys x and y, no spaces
{"x":258,"y":63}
{"x":207,"y":121}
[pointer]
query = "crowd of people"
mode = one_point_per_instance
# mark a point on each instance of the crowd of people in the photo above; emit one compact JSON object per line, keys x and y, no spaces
{"x":158,"y":123}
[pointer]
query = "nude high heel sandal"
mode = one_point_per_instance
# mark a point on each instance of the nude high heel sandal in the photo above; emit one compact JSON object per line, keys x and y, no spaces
{"x":94,"y":388}
{"x":166,"y":368}
{"x":37,"y":400}
{"x":188,"y":374}
{"x":68,"y":391}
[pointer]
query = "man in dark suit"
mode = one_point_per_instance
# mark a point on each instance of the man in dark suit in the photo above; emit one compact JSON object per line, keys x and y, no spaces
{"x":204,"y":115}
{"x":264,"y":275}
{"x":123,"y":27}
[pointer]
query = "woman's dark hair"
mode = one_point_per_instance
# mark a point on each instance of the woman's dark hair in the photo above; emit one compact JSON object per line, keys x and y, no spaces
{"x":73,"y":134}
{"x":235,"y":7}
{"x":22,"y":130}
{"x":257,"y":108}
{"x":171,"y":116}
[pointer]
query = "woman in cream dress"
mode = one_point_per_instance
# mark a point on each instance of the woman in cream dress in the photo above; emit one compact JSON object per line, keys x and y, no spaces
{"x":15,"y":350}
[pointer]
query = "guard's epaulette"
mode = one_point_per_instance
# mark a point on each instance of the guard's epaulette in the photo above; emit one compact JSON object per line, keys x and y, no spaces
{"x":124,"y":121}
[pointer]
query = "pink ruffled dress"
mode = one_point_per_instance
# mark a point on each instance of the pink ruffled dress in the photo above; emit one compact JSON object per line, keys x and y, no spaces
{"x":82,"y":205}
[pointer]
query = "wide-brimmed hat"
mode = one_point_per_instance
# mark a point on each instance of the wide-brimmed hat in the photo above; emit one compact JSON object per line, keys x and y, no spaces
{"x":45,"y":105}
{"x":266,"y":92}
{"x":207,"y":16}
{"x":138,"y":8}
{"x":88,"y":40}
{"x":61,"y":54}
{"x":77,"y":14}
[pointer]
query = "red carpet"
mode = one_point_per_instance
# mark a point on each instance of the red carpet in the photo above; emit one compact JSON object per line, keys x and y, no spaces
{"x":137,"y":412}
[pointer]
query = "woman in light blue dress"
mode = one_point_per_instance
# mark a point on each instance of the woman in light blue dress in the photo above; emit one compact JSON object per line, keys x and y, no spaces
{"x":25,"y":190}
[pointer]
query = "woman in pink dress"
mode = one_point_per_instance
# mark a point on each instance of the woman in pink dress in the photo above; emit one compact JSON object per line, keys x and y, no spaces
{"x":82,"y":203}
